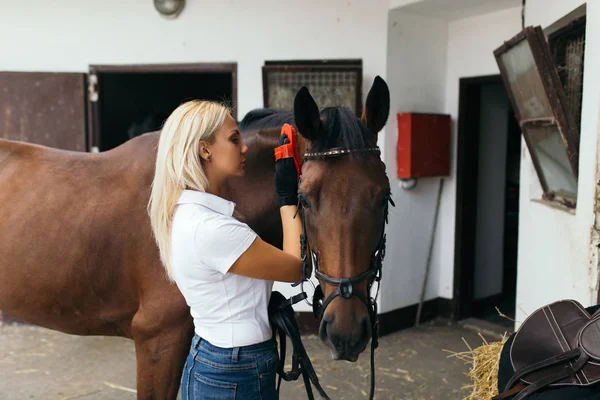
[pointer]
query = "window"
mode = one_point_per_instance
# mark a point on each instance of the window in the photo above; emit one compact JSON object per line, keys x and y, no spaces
{"x":331,"y":83}
{"x":541,"y":106}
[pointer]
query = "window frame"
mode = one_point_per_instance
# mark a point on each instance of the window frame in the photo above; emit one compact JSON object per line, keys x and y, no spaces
{"x":553,"y":89}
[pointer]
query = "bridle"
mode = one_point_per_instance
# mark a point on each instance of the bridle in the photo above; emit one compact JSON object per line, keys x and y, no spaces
{"x":281,"y":313}
{"x":345,"y":287}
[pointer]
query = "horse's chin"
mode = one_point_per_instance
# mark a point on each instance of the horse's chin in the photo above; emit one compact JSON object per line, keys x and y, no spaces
{"x":346,"y":357}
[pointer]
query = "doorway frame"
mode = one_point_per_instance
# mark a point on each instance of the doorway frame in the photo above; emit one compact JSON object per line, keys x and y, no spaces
{"x":93,"y":80}
{"x":467,"y":158}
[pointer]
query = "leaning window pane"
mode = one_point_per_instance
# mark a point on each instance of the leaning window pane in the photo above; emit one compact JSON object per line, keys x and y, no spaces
{"x":525,"y":82}
{"x":552,"y":159}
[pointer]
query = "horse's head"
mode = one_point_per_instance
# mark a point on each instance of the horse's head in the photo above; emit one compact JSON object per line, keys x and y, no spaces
{"x":344,"y":195}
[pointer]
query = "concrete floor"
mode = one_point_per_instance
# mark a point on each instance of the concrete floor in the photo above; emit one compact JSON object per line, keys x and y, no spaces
{"x":37,"y":363}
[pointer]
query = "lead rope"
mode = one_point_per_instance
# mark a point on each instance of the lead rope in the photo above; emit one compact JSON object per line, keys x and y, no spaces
{"x":281,"y":315}
{"x":374,"y":345}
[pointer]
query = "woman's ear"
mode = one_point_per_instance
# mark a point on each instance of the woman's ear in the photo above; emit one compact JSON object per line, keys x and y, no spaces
{"x":204,"y":151}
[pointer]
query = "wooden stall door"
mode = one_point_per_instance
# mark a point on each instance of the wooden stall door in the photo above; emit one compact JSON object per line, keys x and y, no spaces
{"x":44,"y":108}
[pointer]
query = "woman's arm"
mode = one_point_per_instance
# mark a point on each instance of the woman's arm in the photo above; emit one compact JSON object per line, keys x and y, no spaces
{"x":264,"y":261}
{"x":292,"y":229}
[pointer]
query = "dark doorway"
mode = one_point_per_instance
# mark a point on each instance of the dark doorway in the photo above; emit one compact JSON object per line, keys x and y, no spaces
{"x":487,"y":204}
{"x":132,"y":100}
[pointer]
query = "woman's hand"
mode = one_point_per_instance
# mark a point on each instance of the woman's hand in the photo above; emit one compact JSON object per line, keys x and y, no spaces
{"x":286,"y":178}
{"x":264,"y":261}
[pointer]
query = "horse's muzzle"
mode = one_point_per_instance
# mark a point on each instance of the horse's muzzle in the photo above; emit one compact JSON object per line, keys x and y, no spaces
{"x":345,"y":344}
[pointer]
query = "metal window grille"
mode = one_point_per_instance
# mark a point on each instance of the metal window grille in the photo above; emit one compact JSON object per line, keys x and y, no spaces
{"x":329,"y":86}
{"x":568,"y":50}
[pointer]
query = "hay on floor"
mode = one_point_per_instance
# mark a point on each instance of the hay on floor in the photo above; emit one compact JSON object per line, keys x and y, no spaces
{"x":483,"y":361}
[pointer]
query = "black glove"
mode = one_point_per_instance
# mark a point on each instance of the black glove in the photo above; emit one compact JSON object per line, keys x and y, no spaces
{"x":286,"y":178}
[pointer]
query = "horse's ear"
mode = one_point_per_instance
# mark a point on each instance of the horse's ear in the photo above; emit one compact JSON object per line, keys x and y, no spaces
{"x":377,"y":106}
{"x":306,"y":114}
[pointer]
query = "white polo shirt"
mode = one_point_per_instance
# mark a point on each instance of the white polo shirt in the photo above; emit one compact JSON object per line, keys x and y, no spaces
{"x":229,"y":310}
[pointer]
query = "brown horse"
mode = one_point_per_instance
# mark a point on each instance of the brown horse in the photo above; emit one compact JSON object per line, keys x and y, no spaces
{"x":77,"y":253}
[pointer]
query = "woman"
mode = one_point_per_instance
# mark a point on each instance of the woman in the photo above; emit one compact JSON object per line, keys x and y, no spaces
{"x":224,"y":271}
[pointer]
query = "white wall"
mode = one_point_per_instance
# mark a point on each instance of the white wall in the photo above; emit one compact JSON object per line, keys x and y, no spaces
{"x":558,"y":257}
{"x":417,"y":77}
{"x":555,"y":247}
{"x":426,"y":59}
{"x":69,"y":35}
{"x":491,"y":190}
{"x":471,"y":42}
{"x":401,"y":3}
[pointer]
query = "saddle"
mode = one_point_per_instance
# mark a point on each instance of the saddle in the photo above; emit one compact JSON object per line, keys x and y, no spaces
{"x":557,"y":346}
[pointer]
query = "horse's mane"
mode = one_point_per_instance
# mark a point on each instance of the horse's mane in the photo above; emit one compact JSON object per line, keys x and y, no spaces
{"x":340,"y":127}
{"x":265,"y":118}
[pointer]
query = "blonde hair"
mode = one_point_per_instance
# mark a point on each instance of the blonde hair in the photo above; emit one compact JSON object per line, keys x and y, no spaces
{"x":178,"y":165}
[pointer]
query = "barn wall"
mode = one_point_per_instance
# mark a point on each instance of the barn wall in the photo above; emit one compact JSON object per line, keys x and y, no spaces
{"x":557,"y":249}
{"x":70,"y":35}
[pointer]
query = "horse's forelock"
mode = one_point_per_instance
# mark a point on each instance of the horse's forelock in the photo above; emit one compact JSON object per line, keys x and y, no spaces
{"x":341,"y":128}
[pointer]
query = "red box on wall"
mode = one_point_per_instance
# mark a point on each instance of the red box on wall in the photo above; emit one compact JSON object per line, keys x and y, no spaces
{"x":423,"y":145}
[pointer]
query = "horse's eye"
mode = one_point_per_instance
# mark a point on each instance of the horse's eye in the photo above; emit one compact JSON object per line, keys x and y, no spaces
{"x":303,"y":202}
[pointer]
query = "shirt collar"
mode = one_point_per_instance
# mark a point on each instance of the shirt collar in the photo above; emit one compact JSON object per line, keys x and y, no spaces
{"x":211,"y":201}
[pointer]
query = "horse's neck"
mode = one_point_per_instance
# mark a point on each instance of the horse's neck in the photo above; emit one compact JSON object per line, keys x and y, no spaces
{"x":254,"y":194}
{"x":260,"y":147}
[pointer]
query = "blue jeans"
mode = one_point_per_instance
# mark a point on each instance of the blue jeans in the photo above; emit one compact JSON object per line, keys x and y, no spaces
{"x":216,"y":373}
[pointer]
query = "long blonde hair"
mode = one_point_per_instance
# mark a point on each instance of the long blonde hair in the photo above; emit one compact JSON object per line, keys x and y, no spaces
{"x":178,"y":165}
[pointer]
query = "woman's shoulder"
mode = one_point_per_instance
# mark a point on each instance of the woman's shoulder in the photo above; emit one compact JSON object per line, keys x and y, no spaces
{"x":207,"y":223}
{"x":187,"y":219}
{"x":218,"y":224}
{"x":188,"y":213}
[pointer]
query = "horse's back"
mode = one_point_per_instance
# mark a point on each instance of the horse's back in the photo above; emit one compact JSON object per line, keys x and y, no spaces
{"x":60,"y":164}
{"x":74,"y":234}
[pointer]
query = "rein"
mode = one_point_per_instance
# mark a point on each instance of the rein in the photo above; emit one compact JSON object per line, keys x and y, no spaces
{"x":282,"y":311}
